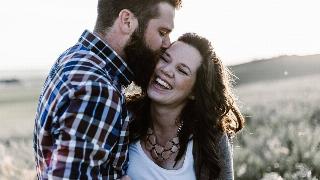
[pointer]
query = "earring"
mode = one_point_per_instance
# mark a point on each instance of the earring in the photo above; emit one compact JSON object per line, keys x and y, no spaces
{"x":192,"y":97}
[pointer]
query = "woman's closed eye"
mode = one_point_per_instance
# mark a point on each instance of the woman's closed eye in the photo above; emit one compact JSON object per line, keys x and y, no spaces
{"x":183,"y":71}
{"x":164,"y":59}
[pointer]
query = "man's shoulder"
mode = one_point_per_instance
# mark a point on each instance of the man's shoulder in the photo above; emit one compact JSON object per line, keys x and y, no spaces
{"x":79,"y":68}
{"x":80,"y":56}
{"x":79,"y":64}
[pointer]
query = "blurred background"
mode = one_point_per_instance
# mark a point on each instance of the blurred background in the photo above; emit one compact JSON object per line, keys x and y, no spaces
{"x":271,"y":46}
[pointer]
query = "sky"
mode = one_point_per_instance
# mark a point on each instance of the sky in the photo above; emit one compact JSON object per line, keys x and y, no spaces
{"x":35,"y":32}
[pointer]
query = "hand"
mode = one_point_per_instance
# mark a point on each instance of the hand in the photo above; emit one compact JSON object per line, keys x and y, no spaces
{"x":125,"y":178}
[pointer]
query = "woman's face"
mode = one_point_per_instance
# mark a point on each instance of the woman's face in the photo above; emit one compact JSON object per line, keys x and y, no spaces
{"x":175,"y":75}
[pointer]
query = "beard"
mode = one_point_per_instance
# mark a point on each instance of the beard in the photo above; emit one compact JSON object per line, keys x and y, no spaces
{"x":141,"y":59}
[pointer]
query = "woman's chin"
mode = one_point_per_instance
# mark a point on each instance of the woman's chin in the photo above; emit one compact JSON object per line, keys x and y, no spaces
{"x":155,"y":95}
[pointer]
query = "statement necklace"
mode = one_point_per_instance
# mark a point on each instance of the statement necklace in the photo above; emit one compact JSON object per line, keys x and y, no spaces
{"x":158,"y":152}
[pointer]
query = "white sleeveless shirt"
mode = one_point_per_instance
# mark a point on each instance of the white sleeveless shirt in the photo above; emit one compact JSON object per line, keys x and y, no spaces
{"x":142,"y":168}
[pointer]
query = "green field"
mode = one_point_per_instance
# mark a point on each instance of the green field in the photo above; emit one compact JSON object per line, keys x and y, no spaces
{"x":280,"y":140}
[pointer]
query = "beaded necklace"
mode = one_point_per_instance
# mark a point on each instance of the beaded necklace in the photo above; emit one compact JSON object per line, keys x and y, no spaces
{"x":158,"y":152}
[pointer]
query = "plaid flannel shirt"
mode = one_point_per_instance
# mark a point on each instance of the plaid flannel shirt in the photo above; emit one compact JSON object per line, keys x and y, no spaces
{"x":81,"y":125}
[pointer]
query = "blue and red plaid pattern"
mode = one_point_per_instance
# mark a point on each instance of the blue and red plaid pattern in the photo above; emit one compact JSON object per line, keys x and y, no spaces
{"x":81,"y":125}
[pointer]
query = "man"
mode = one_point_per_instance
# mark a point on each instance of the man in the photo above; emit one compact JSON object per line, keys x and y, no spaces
{"x":81,"y":125}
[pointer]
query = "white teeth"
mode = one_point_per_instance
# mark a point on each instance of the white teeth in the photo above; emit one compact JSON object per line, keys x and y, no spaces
{"x":163,"y":83}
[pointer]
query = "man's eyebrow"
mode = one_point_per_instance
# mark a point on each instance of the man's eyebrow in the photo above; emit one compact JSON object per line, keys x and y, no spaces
{"x":166,"y":29}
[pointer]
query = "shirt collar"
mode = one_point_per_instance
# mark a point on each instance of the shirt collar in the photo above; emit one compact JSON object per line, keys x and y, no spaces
{"x":115,"y":65}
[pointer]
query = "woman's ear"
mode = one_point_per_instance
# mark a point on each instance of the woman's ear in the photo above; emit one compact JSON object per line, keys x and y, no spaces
{"x":191,"y":97}
{"x":128,"y":21}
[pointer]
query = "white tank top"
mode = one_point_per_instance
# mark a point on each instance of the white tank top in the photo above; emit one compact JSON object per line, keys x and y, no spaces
{"x":142,"y":168}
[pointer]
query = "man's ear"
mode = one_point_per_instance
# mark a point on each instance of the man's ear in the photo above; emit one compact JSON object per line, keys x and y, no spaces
{"x":128,"y":21}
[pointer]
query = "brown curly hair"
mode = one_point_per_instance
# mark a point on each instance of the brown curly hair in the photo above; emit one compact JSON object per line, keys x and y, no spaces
{"x":211,"y":114}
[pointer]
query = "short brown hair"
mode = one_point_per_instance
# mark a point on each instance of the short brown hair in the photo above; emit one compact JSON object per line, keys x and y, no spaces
{"x":144,"y":10}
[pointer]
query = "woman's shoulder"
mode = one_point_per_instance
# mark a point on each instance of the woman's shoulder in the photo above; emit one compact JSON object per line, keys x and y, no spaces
{"x":226,"y":157}
{"x":225,"y":144}
{"x":224,"y":150}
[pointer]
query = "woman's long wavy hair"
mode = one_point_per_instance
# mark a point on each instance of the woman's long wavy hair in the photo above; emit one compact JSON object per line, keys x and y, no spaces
{"x":212,"y":113}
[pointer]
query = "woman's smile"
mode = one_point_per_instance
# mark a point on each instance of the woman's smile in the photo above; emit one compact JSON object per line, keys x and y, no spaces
{"x":175,"y":74}
{"x":158,"y":81}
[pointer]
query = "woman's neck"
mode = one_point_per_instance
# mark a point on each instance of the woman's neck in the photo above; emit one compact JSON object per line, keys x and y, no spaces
{"x":164,"y":121}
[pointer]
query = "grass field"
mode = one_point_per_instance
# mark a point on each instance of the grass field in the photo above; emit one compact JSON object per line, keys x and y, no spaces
{"x":280,"y":140}
{"x":281,"y":137}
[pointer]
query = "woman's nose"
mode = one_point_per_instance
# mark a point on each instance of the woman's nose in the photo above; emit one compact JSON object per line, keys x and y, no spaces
{"x":167,"y":71}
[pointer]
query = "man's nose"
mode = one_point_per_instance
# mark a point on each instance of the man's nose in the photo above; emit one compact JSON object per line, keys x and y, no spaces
{"x":166,"y":42}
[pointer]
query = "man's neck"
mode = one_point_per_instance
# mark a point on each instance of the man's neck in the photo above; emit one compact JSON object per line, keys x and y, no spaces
{"x":110,"y":37}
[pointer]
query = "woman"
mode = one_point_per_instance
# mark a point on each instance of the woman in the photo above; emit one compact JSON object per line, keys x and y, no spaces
{"x":183,"y":126}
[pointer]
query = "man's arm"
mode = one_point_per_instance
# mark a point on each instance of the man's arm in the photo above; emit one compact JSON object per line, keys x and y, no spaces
{"x":87,"y":128}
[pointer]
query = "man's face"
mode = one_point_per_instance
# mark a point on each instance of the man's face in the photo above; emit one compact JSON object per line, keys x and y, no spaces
{"x":157,"y":31}
{"x":144,"y":48}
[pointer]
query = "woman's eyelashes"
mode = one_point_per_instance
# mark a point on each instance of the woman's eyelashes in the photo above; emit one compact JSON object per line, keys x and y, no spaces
{"x":180,"y":68}
{"x":183,"y":71}
{"x":164,"y":59}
